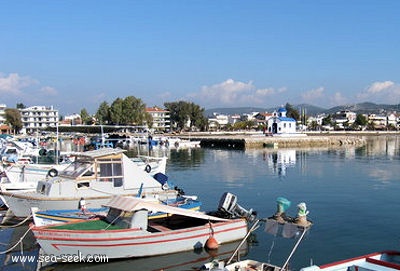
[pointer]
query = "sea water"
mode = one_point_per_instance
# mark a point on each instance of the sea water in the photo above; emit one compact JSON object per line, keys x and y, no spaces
{"x":352,"y":195}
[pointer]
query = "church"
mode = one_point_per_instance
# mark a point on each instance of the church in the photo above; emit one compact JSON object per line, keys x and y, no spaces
{"x":279,"y":123}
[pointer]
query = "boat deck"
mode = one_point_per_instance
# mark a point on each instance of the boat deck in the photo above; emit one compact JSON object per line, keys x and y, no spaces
{"x":96,"y":224}
{"x":388,"y":261}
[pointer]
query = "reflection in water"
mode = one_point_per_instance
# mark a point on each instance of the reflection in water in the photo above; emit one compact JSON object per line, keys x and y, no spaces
{"x":190,"y":260}
{"x":278,"y":161}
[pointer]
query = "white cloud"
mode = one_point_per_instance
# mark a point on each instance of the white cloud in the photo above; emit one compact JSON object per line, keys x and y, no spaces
{"x":313,"y":94}
{"x":165,"y":96}
{"x":235,"y":93}
{"x":48,"y":91}
{"x":377,"y":87}
{"x":14,"y":83}
{"x":338,"y":99}
{"x":381,"y":92}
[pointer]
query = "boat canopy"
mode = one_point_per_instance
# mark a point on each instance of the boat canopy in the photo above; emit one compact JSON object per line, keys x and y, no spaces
{"x":100,"y":152}
{"x":132,"y":204}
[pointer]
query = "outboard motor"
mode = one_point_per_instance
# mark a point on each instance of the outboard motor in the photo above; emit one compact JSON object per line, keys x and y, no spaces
{"x":228,"y":204}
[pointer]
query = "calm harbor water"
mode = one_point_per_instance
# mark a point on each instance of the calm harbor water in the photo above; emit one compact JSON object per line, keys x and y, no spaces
{"x":352,"y":195}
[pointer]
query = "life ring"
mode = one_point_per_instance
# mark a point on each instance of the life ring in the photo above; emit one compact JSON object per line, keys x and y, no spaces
{"x":52,"y":172}
{"x":147,"y":168}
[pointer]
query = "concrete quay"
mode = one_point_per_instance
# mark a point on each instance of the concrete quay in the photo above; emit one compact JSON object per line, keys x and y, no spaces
{"x":246,"y":141}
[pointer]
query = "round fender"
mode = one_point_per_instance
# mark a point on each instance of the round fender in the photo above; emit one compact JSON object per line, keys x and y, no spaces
{"x":147,"y":168}
{"x":52,"y":172}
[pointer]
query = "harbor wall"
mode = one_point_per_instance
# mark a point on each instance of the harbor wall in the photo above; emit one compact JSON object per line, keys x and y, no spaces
{"x":288,"y":141}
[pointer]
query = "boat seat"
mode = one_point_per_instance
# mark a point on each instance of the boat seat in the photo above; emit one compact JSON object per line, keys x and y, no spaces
{"x":158,"y":227}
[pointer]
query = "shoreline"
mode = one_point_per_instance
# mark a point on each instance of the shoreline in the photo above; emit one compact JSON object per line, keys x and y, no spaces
{"x":259,"y":140}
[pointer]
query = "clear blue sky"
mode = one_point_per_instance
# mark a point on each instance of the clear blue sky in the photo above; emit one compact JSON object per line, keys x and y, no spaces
{"x":75,"y":54}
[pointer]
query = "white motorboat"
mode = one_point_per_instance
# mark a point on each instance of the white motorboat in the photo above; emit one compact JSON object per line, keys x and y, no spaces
{"x":95,"y":176}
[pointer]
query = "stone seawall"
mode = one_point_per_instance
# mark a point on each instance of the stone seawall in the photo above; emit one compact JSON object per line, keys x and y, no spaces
{"x":246,"y":141}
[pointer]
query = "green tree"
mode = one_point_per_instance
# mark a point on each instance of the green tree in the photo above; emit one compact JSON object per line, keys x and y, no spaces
{"x":116,"y":111}
{"x":20,"y":106}
{"x":103,"y":113}
{"x":134,"y":111}
{"x":292,"y":112}
{"x":197,"y":118}
{"x":361,"y":120}
{"x":183,"y":114}
{"x":313,"y":126}
{"x":13,"y":118}
{"x":327,"y":120}
{"x":85,"y":117}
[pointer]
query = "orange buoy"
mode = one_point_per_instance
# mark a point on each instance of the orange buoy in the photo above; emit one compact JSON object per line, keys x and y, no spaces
{"x":211,"y":243}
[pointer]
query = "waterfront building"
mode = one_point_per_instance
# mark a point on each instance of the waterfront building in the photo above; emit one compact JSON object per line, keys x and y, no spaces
{"x":393,"y":120}
{"x":38,"y":117}
{"x":2,"y":113}
{"x":344,"y":118}
{"x":262,"y":118}
{"x":378,"y":121}
{"x":279,"y":123}
{"x":74,"y":119}
{"x":218,"y":121}
{"x":161,"y":119}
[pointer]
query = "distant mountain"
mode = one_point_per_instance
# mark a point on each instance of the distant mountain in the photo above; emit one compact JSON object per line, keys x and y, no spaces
{"x":234,"y":111}
{"x":365,"y":108}
{"x":311,"y":110}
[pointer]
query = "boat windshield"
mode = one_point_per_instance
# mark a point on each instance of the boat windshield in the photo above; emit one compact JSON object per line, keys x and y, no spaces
{"x":75,"y":169}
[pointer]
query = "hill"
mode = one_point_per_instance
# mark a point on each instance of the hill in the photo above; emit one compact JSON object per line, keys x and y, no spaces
{"x":311,"y":110}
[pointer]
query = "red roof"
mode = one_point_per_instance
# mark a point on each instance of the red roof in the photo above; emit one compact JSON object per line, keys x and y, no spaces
{"x":155,"y":109}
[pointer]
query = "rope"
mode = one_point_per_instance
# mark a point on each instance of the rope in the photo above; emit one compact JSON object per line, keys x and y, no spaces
{"x":18,"y":224}
{"x":115,"y":219}
{"x":19,"y":242}
{"x":294,"y":249}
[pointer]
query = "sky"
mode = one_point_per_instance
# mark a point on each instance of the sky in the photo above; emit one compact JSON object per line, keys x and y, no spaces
{"x":74,"y":54}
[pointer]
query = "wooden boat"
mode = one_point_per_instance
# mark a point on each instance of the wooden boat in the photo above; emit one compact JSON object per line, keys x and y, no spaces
{"x":48,"y":217}
{"x":128,"y":232}
{"x":95,"y":176}
{"x":377,"y":261}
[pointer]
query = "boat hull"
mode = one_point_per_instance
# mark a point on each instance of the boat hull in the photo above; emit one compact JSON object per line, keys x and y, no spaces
{"x":134,"y":242}
{"x":378,"y":261}
{"x":21,"y":206}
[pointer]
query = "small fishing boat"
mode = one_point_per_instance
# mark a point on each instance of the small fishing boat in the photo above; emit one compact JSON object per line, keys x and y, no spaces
{"x":128,"y":232}
{"x":377,"y":261}
{"x":48,"y":217}
{"x":278,"y":225}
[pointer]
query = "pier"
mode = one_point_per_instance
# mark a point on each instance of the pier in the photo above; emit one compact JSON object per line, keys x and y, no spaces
{"x":247,"y":141}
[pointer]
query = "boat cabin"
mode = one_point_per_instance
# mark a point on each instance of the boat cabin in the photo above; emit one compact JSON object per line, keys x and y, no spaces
{"x":102,"y":170}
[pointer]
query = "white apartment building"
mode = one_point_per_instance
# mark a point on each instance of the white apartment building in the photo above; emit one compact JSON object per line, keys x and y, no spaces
{"x":219,"y":120}
{"x":2,"y":113}
{"x":161,"y":119}
{"x":38,"y":117}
